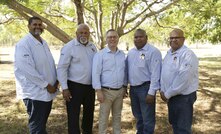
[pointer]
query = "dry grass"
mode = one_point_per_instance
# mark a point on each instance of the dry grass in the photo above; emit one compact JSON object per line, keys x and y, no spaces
{"x":207,"y":114}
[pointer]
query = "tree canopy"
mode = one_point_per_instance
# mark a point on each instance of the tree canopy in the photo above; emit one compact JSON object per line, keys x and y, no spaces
{"x":200,"y":19}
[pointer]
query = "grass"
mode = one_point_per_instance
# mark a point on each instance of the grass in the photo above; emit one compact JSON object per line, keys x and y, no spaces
{"x":207,"y":113}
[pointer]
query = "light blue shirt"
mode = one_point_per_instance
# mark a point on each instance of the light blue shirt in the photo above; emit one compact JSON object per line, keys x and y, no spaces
{"x":145,"y":65}
{"x":75,"y":63}
{"x":179,"y":72}
{"x":109,"y":69}
{"x":34,"y":69}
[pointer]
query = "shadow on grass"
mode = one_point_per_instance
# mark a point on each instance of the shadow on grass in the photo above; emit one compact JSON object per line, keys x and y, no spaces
{"x":207,"y":112}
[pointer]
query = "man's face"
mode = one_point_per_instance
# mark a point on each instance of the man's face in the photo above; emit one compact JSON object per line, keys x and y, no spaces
{"x":140,"y":39}
{"x":36,"y":27}
{"x":83,"y":34}
{"x":112,"y":39}
{"x":176,"y":39}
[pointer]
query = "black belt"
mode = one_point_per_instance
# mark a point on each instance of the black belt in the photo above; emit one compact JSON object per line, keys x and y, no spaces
{"x":146,"y":82}
{"x":109,"y":88}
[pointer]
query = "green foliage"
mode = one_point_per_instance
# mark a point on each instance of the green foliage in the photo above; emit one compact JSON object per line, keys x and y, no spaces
{"x":199,"y":19}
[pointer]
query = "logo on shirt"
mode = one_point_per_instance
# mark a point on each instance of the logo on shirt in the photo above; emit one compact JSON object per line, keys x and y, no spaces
{"x":93,"y":49}
{"x":142,"y":56}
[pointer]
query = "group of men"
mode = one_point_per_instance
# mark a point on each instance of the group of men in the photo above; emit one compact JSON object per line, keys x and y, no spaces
{"x":83,"y":72}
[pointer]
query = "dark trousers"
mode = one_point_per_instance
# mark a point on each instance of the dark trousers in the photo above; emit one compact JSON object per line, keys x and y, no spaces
{"x":180,"y":109}
{"x":38,"y":112}
{"x":81,"y":95}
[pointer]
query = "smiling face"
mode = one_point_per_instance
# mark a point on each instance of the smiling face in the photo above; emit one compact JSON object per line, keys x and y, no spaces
{"x":112,"y":39}
{"x":36,"y":27}
{"x":83,"y":34}
{"x":176,"y":39}
{"x":140,"y":38}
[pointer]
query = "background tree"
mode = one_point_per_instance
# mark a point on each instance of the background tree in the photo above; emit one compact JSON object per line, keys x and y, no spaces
{"x":124,"y":16}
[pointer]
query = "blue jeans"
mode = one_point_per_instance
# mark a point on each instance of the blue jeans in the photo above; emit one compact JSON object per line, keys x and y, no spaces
{"x":143,"y":112}
{"x":38,"y":112}
{"x":180,"y":109}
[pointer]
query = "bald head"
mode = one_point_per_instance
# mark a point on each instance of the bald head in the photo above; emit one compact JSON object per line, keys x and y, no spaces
{"x":178,"y":32}
{"x":82,"y":26}
{"x":83,"y":34}
{"x":176,"y":39}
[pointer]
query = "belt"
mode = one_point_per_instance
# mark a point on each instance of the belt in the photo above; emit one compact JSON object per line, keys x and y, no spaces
{"x":146,"y":82}
{"x":109,"y":88}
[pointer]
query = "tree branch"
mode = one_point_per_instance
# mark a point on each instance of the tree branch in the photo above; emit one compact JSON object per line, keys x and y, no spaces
{"x":149,"y":15}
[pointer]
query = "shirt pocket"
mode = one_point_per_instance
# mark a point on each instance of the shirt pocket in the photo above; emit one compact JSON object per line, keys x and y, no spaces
{"x":75,"y":59}
{"x":142,"y":60}
{"x":175,"y":64}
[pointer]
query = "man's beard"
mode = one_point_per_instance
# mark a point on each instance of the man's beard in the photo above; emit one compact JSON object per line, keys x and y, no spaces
{"x":83,"y":40}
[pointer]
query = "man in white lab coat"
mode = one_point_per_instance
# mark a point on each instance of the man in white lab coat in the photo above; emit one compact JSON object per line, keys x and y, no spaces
{"x":35,"y":74}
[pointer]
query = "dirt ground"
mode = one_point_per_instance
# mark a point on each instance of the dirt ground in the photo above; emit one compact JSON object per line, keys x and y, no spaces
{"x":207,"y":113}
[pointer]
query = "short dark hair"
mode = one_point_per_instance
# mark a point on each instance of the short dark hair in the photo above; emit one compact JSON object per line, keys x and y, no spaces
{"x":142,"y":31}
{"x":33,"y":18}
{"x":110,"y":30}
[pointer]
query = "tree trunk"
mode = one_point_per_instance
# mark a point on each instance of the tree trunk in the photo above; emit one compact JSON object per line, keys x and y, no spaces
{"x":79,"y":11}
{"x":26,"y":13}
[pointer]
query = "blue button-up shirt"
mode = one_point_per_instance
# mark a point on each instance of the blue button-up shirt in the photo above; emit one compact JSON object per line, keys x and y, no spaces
{"x":109,"y":69}
{"x":75,"y":63}
{"x":145,"y":65}
{"x":179,"y":72}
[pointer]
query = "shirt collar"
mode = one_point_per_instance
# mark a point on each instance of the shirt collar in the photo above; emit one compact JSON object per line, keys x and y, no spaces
{"x":145,"y":47}
{"x":177,"y":51}
{"x":35,"y":40}
{"x":107,"y":49}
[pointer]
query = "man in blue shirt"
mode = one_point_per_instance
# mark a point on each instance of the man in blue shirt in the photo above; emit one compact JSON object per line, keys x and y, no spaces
{"x":144,"y":66}
{"x":108,"y":80}
{"x":179,"y":82}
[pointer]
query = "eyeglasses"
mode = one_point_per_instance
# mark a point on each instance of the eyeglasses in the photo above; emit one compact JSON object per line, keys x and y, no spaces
{"x":174,"y":38}
{"x":114,"y":37}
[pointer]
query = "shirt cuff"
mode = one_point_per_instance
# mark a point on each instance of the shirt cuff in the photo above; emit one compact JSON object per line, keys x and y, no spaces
{"x":64,"y":86}
{"x":167,"y":95}
{"x":97,"y":88}
{"x":152,"y":92}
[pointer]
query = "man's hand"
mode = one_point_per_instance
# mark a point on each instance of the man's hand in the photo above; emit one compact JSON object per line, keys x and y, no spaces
{"x":51,"y":89}
{"x":100,"y":95}
{"x":163,"y":97}
{"x":66,"y":95}
{"x":150,"y":99}
{"x":56,"y":84}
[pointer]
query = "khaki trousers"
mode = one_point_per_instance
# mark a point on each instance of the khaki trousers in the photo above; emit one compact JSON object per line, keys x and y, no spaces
{"x":113,"y":100}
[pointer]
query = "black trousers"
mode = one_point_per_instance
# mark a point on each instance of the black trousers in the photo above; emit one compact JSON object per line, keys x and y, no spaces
{"x":81,"y":95}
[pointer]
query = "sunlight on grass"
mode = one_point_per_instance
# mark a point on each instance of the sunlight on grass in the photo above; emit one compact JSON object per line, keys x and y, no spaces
{"x":207,"y":113}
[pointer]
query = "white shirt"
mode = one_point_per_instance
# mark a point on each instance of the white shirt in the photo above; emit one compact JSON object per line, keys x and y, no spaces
{"x":145,"y":65}
{"x":75,"y":63}
{"x":34,"y":69}
{"x":109,"y":69}
{"x":179,"y":72}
